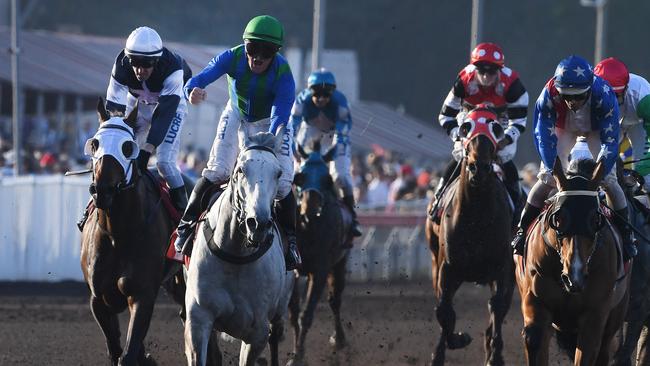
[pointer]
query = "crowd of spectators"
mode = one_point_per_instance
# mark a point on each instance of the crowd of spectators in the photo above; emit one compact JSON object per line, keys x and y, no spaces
{"x":383,"y":180}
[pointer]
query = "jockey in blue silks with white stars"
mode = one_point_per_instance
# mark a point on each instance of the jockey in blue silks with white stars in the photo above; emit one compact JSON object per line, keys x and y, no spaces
{"x":321,"y":113}
{"x":575,"y":103}
{"x":262,"y":91}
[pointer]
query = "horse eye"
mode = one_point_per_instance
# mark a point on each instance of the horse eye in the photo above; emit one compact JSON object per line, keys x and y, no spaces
{"x":94,"y":145}
{"x":279,"y":174}
{"x":127,"y":149}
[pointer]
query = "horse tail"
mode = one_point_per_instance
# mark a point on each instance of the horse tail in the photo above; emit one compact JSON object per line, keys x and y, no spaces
{"x":567,"y":342}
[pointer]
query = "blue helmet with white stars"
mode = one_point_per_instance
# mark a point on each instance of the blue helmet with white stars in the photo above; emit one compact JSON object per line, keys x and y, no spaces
{"x":321,"y":77}
{"x":573,"y":75}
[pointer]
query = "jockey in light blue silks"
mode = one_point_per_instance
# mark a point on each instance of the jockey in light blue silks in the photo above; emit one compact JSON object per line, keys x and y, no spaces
{"x":321,"y":113}
{"x":262,"y":91}
{"x":576,"y":103}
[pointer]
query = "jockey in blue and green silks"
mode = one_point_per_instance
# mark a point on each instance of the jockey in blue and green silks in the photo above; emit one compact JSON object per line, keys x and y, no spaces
{"x":321,"y":112}
{"x":262,"y":92}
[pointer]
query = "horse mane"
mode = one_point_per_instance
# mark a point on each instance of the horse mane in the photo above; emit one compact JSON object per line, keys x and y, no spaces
{"x":581,"y":168}
{"x":264,"y":139}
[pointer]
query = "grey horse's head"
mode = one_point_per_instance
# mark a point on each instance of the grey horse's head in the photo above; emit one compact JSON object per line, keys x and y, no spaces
{"x":256,"y":179}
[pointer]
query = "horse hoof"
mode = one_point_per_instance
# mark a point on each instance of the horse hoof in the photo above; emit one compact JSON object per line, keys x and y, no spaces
{"x":296,"y":362}
{"x":148,"y":361}
{"x":496,"y":362}
{"x":437,"y":359}
{"x":458,"y":340}
{"x":338,"y":342}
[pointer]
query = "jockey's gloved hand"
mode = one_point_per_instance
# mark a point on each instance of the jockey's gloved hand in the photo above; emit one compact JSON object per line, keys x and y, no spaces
{"x":505,"y":141}
{"x":143,"y":159}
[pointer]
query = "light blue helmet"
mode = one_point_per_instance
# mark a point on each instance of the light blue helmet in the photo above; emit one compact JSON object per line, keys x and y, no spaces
{"x":321,"y":77}
{"x":573,"y":75}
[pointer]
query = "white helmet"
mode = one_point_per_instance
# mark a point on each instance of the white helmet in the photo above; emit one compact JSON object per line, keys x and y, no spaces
{"x":143,"y":42}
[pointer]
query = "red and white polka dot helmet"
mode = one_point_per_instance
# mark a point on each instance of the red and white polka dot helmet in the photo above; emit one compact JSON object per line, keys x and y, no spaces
{"x":615,"y":72}
{"x":487,"y":53}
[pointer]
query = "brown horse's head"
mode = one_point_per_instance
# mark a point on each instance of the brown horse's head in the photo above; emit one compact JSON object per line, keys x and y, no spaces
{"x":575,"y":219}
{"x":113,"y":149}
{"x":481,"y":132}
{"x":313,"y":181}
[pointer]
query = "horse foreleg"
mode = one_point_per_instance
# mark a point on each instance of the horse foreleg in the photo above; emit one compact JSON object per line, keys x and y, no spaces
{"x":642,"y":356}
{"x":277,"y":330}
{"x":448,"y":285}
{"x":537,"y":330}
{"x":498,"y":306}
{"x":249,"y":352}
{"x":590,"y":338}
{"x":141,"y":310}
{"x":109,"y":325}
{"x":198,"y":333}
{"x":315,"y":285}
{"x":336,"y":284}
{"x":294,"y":313}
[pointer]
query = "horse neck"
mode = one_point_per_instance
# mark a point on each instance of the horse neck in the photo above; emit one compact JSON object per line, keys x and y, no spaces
{"x":226,"y":232}
{"x":126,"y":216}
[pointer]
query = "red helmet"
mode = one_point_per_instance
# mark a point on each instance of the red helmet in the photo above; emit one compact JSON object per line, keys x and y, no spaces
{"x":487,"y":53}
{"x":615,"y":72}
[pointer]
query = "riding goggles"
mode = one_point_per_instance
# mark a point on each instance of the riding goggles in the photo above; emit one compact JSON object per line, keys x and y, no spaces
{"x":263,"y":50}
{"x":487,"y":69}
{"x":321,"y":92}
{"x":576,"y":97}
{"x":145,"y":62}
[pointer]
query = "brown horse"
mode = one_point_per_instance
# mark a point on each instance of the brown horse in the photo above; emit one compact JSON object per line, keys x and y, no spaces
{"x":323,"y":226}
{"x":471,"y":243}
{"x":124,"y":240}
{"x":571,"y":275}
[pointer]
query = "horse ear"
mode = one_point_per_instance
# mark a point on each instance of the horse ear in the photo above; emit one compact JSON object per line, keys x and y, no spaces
{"x":558,"y":173}
{"x":329,"y":155}
{"x":101,"y":111}
{"x":599,"y":173}
{"x":132,"y":118}
{"x":301,"y":151}
{"x":243,"y":135}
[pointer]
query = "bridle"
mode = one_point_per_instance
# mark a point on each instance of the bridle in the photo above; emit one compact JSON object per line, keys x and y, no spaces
{"x":551,"y":221}
{"x":126,"y":183}
{"x":238,"y":203}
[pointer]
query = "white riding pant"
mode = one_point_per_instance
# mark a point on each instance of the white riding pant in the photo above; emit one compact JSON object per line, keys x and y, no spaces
{"x":340,"y":164}
{"x":226,"y":146}
{"x":167,"y":152}
{"x":565,"y":141}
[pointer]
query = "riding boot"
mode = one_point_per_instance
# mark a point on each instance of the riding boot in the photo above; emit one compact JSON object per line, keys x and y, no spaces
{"x":528,"y":215}
{"x":621,"y":220}
{"x":354,"y":228}
{"x":179,"y":198}
{"x":191,"y":214}
{"x":287,"y":219}
{"x":82,"y":221}
{"x":433,"y":213}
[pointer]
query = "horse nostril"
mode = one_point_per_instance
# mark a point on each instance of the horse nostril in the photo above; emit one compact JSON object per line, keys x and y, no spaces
{"x":251,"y":224}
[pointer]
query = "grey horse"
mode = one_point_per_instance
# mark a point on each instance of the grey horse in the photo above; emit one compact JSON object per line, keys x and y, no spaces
{"x":236,"y":281}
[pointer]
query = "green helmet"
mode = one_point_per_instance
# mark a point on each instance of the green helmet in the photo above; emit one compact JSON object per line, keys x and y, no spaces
{"x":265,"y":28}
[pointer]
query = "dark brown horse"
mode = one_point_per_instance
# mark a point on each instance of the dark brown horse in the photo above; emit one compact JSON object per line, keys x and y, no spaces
{"x":124,"y":240}
{"x":572,"y":278}
{"x":323,"y":226}
{"x":471,"y":243}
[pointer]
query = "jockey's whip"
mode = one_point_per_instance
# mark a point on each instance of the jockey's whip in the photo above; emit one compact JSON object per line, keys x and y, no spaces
{"x":78,"y":172}
{"x":627,"y":223}
{"x":635,"y":161}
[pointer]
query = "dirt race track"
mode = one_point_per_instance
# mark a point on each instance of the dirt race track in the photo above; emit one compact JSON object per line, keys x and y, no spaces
{"x":387,"y":324}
